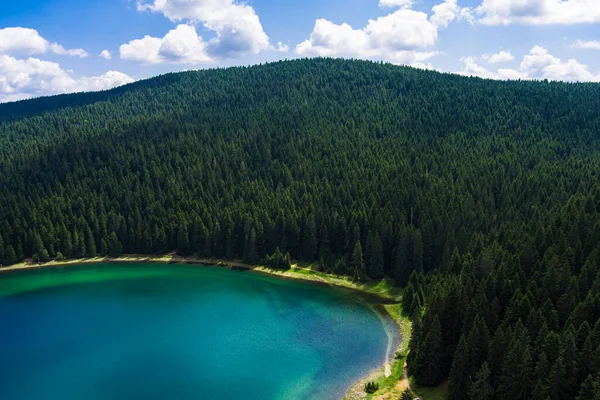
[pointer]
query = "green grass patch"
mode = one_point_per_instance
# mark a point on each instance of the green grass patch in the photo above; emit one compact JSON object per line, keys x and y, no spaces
{"x":439,"y":392}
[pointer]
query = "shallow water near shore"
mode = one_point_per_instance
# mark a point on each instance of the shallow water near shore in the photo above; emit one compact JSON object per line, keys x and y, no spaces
{"x":148,"y":331}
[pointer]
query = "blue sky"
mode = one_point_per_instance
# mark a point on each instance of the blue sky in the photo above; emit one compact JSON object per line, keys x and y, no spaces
{"x":55,"y":46}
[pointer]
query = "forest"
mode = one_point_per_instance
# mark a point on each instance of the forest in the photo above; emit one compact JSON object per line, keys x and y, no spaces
{"x":480,"y":197}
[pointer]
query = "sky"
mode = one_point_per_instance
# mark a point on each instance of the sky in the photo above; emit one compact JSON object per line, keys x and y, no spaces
{"x":63,"y":46}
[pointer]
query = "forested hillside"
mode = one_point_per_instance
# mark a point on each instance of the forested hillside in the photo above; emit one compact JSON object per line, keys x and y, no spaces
{"x":481,"y":197}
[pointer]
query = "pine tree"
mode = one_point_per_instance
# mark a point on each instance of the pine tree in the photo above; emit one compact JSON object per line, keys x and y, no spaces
{"x":515,"y":375}
{"x":324,"y":246}
{"x":481,"y":388}
{"x":570,"y":356}
{"x":68,"y":245}
{"x":357,"y":265}
{"x":478,"y":342}
{"x":540,"y":378}
{"x":459,"y":379}
{"x":587,"y":390}
{"x":374,"y":255}
{"x":114,"y":246}
{"x":183,"y":240}
{"x":409,"y":298}
{"x":90,"y":243}
{"x":250,"y":256}
{"x":38,"y":244}
{"x":309,"y":239}
{"x":401,"y":265}
{"x":428,"y":362}
{"x":558,"y":388}
{"x":10,"y":255}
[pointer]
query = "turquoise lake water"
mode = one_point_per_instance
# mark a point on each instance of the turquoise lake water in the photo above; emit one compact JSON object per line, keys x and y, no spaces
{"x":111,"y":331}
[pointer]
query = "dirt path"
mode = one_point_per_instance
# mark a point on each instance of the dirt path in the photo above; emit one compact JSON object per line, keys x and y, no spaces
{"x":403,"y":384}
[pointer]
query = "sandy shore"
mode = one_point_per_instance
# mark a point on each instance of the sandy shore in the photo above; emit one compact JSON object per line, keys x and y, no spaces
{"x":380,"y":295}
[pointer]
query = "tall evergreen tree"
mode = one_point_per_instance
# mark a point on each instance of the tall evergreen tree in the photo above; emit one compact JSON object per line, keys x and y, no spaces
{"x":481,"y":388}
{"x":358,"y":265}
{"x":309,"y":239}
{"x":428,"y":368}
{"x":374,"y":255}
{"x":183,"y":240}
{"x":460,"y":378}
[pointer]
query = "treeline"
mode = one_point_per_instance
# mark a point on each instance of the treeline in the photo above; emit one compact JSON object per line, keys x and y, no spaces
{"x":481,"y":197}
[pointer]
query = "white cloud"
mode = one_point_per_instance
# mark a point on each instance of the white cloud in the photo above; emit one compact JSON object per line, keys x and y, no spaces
{"x":587,"y":44}
{"x":537,"y":59}
{"x":58,"y":49}
{"x":502,"y":56}
{"x":471,"y":68}
{"x":395,"y":3}
{"x":105,"y":54}
{"x":538,"y":12}
{"x":282,"y":47}
{"x":144,"y":50}
{"x":25,"y":78}
{"x":394,"y":37}
{"x":509,"y":73}
{"x":237,"y":27}
{"x":538,"y":64}
{"x":107,"y":80}
{"x":448,"y":11}
{"x":181,"y":45}
{"x":25,"y":41}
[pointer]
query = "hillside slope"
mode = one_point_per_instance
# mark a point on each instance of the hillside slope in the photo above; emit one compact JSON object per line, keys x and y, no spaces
{"x":487,"y":192}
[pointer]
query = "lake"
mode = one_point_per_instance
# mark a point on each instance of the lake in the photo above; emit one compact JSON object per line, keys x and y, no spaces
{"x":153,"y":331}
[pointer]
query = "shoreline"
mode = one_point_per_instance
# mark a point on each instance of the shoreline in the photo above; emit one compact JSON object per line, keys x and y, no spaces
{"x":379,"y":296}
{"x":377,"y":292}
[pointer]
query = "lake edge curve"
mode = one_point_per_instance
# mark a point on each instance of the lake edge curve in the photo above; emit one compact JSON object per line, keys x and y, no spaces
{"x":366,"y":293}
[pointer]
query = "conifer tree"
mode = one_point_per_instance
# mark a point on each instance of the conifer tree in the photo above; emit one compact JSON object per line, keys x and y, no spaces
{"x":309,"y":239}
{"x":358,"y":265}
{"x":478,"y":342}
{"x":589,"y":390}
{"x":428,"y":368}
{"x":183,"y":240}
{"x":459,"y":379}
{"x":250,"y":255}
{"x":481,"y":388}
{"x":516,"y":374}
{"x":114,"y":246}
{"x":374,"y":255}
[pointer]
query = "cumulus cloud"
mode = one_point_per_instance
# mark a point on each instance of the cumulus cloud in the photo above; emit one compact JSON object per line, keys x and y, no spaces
{"x":500,"y":57}
{"x":25,"y":78}
{"x":395,"y":37}
{"x":538,"y":12}
{"x":282,"y":47}
{"x":538,"y":64}
{"x":448,"y":11}
{"x":236,"y":25}
{"x":105,"y":81}
{"x":587,"y":44}
{"x":105,"y":54}
{"x":395,"y":3}
{"x":181,"y":45}
{"x":472,"y":68}
{"x":25,"y":41}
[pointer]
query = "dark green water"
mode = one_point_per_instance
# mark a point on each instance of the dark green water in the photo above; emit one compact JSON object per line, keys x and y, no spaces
{"x":147,"y":331}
